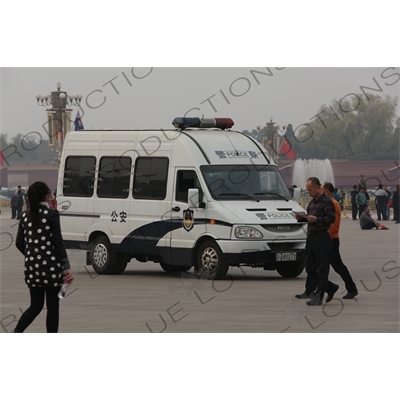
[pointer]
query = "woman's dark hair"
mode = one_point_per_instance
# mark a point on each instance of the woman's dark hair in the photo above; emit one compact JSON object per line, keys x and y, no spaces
{"x":37,"y":193}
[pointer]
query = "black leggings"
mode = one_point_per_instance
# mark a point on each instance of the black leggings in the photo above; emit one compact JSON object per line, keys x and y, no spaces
{"x":37,"y":302}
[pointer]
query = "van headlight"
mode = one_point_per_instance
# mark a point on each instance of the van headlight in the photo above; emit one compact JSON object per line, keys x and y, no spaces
{"x":246,"y":232}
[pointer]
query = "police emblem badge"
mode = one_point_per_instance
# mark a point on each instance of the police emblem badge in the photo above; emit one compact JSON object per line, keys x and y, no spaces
{"x":188,"y":220}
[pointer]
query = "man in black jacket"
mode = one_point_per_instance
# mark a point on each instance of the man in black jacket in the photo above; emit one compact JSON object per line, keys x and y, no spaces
{"x":381,"y":199}
{"x":354,"y":207}
{"x":19,"y":202}
{"x":320,"y":216}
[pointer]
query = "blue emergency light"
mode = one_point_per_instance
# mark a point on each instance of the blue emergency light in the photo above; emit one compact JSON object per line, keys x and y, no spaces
{"x":195,"y":122}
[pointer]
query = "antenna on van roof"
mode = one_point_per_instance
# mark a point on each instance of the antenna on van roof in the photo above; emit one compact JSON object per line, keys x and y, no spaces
{"x":237,"y":153}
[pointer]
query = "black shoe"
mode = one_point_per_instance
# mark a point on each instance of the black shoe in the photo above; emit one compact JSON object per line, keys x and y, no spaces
{"x":331,"y":293}
{"x":304,"y":295}
{"x":350,"y":295}
{"x":314,"y":302}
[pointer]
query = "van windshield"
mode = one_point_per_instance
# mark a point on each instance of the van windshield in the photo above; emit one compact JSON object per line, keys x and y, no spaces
{"x":234,"y":182}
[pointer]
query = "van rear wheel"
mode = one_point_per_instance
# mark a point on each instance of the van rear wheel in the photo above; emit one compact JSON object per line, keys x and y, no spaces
{"x":103,"y":259}
{"x":174,"y":268}
{"x":211,"y":263}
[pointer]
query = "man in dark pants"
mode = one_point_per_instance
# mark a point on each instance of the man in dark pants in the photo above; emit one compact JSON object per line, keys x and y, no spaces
{"x":320,"y":216}
{"x":354,"y":208}
{"x":381,"y":199}
{"x":20,"y":202}
{"x":336,"y":259}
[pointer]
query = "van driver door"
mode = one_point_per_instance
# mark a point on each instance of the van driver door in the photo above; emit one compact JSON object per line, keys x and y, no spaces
{"x":189,"y":222}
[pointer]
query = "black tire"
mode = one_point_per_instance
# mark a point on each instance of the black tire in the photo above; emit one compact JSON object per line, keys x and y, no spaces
{"x":103,"y":259}
{"x":290,"y":269}
{"x":174,"y":268}
{"x":121,"y":264}
{"x":211,"y":263}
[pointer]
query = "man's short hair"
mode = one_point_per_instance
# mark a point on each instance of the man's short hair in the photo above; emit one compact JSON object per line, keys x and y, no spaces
{"x":314,"y":181}
{"x":328,"y":186}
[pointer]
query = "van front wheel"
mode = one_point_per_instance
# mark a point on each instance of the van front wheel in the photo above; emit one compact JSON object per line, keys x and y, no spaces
{"x":211,"y":262}
{"x":103,"y":259}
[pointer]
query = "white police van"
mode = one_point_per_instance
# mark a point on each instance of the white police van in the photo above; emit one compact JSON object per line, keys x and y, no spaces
{"x":200,"y":195}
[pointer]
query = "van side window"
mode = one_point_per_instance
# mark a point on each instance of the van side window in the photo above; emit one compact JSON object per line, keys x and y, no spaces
{"x":187,"y":180}
{"x":79,"y":176}
{"x":114,"y":175}
{"x":150,"y":178}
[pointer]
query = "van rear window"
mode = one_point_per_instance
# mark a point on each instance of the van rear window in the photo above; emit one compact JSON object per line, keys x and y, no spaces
{"x":79,"y":176}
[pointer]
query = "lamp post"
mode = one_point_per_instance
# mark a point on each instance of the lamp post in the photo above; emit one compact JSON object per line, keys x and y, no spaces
{"x":58,"y":115}
{"x":271,"y":139}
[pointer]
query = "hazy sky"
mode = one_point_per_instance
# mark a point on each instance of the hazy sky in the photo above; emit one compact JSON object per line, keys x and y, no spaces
{"x":152,"y":97}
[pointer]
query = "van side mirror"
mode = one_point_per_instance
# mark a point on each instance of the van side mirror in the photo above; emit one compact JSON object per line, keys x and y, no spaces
{"x":193,"y":199}
{"x":297,"y":194}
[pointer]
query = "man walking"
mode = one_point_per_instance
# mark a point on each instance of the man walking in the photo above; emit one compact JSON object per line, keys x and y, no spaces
{"x":320,"y":216}
{"x":381,"y":199}
{"x":354,"y":208}
{"x":13,"y":204}
{"x":20,"y":202}
{"x":336,"y":259}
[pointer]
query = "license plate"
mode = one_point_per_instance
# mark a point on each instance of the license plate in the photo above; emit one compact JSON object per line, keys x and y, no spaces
{"x":286,"y":256}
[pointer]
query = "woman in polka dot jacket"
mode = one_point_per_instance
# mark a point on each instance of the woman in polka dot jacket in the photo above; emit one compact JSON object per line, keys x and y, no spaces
{"x":46,"y":262}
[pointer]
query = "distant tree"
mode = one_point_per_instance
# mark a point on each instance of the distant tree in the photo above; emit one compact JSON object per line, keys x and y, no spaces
{"x":359,"y":128}
{"x":256,"y":134}
{"x":28,"y":149}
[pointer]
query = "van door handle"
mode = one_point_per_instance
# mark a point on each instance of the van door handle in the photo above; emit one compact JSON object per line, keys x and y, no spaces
{"x":176,"y":209}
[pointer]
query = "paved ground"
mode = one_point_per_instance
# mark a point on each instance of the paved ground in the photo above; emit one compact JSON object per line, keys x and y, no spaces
{"x":145,"y":299}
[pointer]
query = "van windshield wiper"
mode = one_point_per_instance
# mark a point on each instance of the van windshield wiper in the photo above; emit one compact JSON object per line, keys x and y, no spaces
{"x":272,"y":194}
{"x":239,"y":194}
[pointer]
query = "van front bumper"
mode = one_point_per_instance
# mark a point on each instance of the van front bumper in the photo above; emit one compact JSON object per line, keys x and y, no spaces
{"x":260,"y":255}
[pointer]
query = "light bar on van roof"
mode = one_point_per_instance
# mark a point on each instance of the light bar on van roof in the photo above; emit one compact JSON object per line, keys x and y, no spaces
{"x":195,"y":122}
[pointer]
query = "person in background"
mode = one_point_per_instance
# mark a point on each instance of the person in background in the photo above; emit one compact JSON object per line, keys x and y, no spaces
{"x":367,"y":222}
{"x":39,"y":239}
{"x":342,"y":194}
{"x":396,"y":205}
{"x":336,"y":194}
{"x":13,"y":205}
{"x":389,"y":193}
{"x":381,"y":200}
{"x":361,"y":201}
{"x":354,"y":207}
{"x":363,"y":184}
{"x":51,"y":199}
{"x":20,"y":201}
